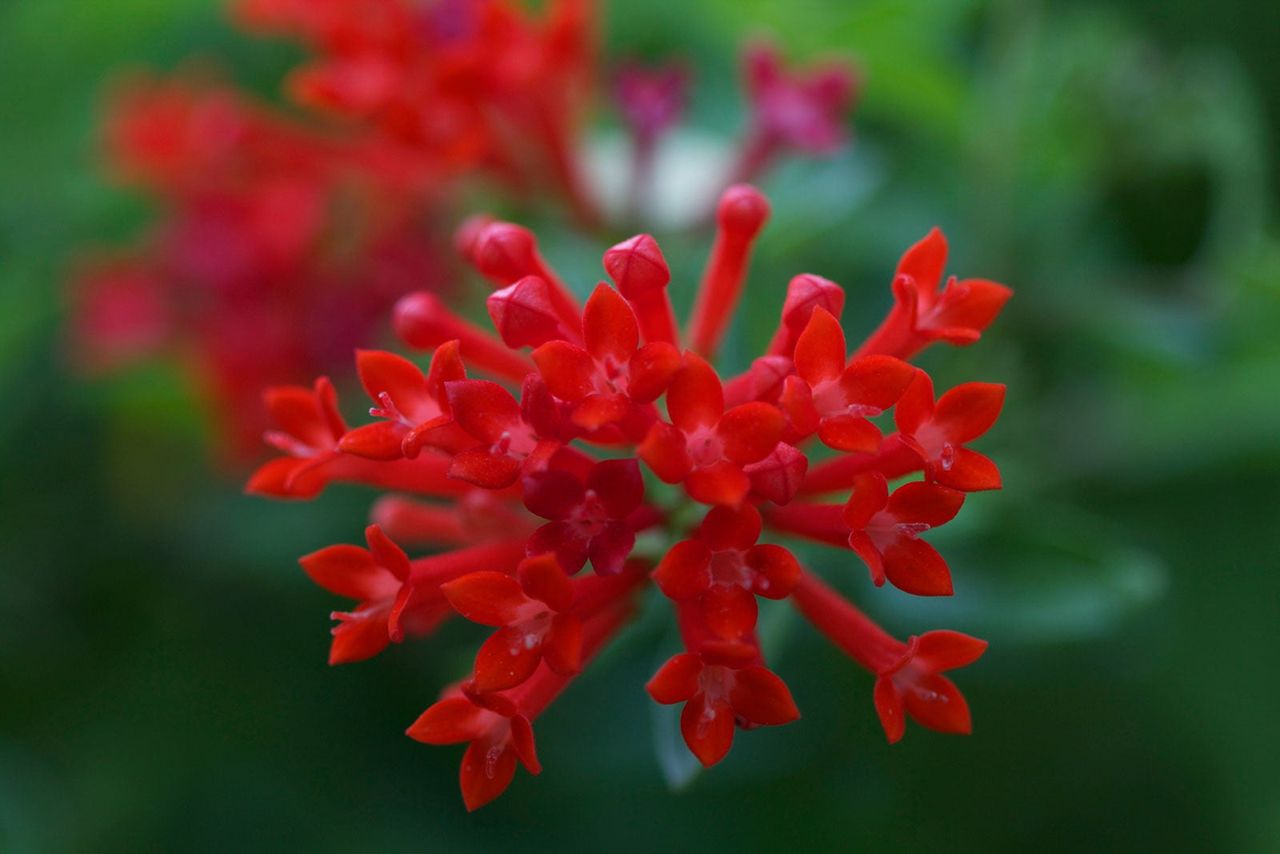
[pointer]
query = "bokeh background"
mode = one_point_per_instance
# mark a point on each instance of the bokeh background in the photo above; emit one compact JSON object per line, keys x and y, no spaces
{"x":162,"y":660}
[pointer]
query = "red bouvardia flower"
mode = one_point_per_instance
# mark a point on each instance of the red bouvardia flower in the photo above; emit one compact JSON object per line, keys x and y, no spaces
{"x":550,"y":463}
{"x":278,"y":247}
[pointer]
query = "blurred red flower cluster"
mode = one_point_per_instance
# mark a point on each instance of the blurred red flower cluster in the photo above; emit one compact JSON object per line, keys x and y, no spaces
{"x":281,"y":241}
{"x":539,"y":469}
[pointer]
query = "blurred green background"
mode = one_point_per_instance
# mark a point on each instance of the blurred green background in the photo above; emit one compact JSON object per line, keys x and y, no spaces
{"x":162,"y":675}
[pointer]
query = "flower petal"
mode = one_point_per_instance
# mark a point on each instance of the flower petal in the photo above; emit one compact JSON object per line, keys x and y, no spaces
{"x":395,"y":376}
{"x":925,"y":503}
{"x":970,"y":471}
{"x":750,"y":431}
{"x":542,"y":578}
{"x":779,"y":476}
{"x":707,"y":729}
{"x":663,"y":451}
{"x":568,"y":370}
{"x":484,"y":409}
{"x":449,"y":721}
{"x":386,"y":553}
{"x":506,"y":659}
{"x":650,"y":371}
{"x":486,"y":773}
{"x":562,"y":647}
{"x":684,"y":571}
{"x":488,"y":598}
{"x":760,"y":696}
{"x":967,"y":411}
{"x":609,"y":325}
{"x":619,"y":486}
{"x":926,"y":260}
{"x":915,"y":567}
{"x":870,"y":495}
{"x":935,"y":702}
{"x":876,"y":381}
{"x":482,"y":467}
{"x":695,"y":398}
{"x":522,"y":313}
{"x":946,"y":650}
{"x":610,"y":548}
{"x":850,"y":433}
{"x":349,"y":571}
{"x":777,"y":570}
{"x":551,"y":493}
{"x":677,"y":679}
{"x":889,"y":707}
{"x":915,"y":407}
{"x":718,"y":483}
{"x":820,"y":350}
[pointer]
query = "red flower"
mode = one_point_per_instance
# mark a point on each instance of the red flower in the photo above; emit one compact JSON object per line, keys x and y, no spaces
{"x":588,"y":515}
{"x":721,"y":692}
{"x":922,"y":314}
{"x":939,"y":431}
{"x":706,"y":448}
{"x":541,"y":466}
{"x":723,"y":569}
{"x":907,"y":674}
{"x":613,"y":376}
{"x":310,"y":428}
{"x":836,"y":400}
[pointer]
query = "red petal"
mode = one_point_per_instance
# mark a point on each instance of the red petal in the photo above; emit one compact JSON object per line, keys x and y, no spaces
{"x":889,"y":707}
{"x":386,"y":373}
{"x":820,"y":351}
{"x":946,"y":650}
{"x":568,"y":370}
{"x":387,"y":554}
{"x":610,"y":548}
{"x":446,"y":366}
{"x":806,"y":292}
{"x":935,"y":702}
{"x":914,"y":566}
{"x":970,"y":304}
{"x":382,"y":440}
{"x":863,"y":546}
{"x":925,"y":503}
{"x":349,"y":571}
{"x":650,"y":371}
{"x":915,"y":407}
{"x":609,"y":325}
{"x":967,"y":411}
{"x":485,"y":774}
{"x":450,"y":721}
{"x":850,"y":433}
{"x":484,"y":409}
{"x":869,"y":497}
{"x":278,"y":478}
{"x":552,"y":494}
{"x":727,"y":528}
{"x":797,"y":402}
{"x":684,"y":571}
{"x":360,"y":636}
{"x":970,"y":472}
{"x":695,"y":398}
{"x":777,"y":570}
{"x":778,"y":476}
{"x":663,"y":450}
{"x":750,"y":431}
{"x":729,"y":611}
{"x":677,"y":680}
{"x":707,"y":729}
{"x":878,"y":381}
{"x":619,"y":486}
{"x":523,"y":744}
{"x":718,"y":483}
{"x":761,"y":697}
{"x":488,"y":598}
{"x":542,"y":578}
{"x":482,"y":467}
{"x":562,"y":647}
{"x":600,"y":410}
{"x":569,"y":546}
{"x":925,"y":261}
{"x":522,"y":313}
{"x":505,"y":660}
{"x":294,"y":410}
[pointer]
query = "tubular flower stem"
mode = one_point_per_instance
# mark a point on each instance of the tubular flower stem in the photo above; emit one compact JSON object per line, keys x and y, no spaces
{"x":739,"y":217}
{"x":543,"y":474}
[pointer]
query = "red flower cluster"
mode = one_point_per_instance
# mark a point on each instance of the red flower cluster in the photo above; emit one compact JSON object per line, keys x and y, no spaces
{"x":279,"y":249}
{"x":540,"y":470}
